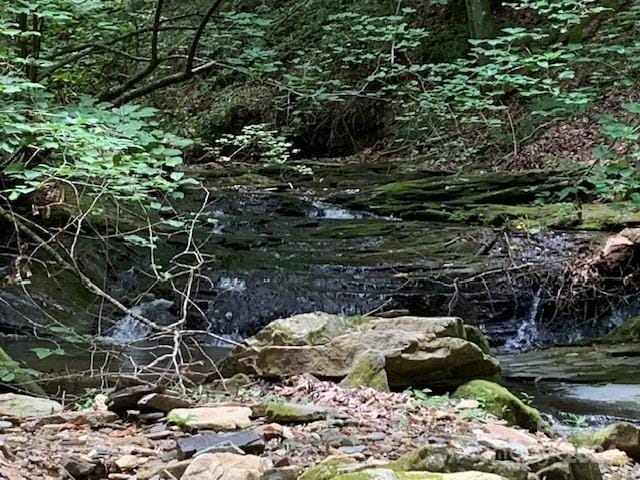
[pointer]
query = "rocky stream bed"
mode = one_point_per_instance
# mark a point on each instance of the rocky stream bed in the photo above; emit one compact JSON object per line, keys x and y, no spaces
{"x":268,"y":420}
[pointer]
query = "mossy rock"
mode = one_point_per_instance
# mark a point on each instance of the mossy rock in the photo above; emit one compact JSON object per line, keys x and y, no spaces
{"x":475,"y":335}
{"x":623,"y":436}
{"x":435,"y":458}
{"x":285,"y":412}
{"x":500,"y":402}
{"x":329,"y":468}
{"x":367,"y":371}
{"x":387,"y":474}
{"x":305,"y":329}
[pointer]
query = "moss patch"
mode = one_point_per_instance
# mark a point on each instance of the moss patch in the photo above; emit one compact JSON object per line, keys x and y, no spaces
{"x":293,"y":413}
{"x":386,"y":474}
{"x":503,"y":404}
{"x":629,"y":331}
{"x":328,"y":468}
{"x":435,"y":458}
{"x":475,"y":335}
{"x":367,"y":371}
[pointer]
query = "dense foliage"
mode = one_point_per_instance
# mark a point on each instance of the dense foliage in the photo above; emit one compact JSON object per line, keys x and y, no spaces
{"x":102,"y":101}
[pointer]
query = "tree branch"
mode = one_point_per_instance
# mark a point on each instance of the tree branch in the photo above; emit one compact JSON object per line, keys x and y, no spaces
{"x":127,"y":95}
{"x":149,"y":69}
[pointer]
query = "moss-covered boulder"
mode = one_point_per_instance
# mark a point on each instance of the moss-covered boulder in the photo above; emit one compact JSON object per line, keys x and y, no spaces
{"x":440,"y":459}
{"x":367,"y":371}
{"x":408,"y":351}
{"x":622,"y":436}
{"x":500,"y":402}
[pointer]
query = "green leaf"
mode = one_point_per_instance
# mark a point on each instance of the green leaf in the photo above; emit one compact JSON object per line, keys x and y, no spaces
{"x":43,"y":353}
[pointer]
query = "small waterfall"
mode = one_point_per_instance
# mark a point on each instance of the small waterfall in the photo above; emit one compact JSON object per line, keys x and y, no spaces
{"x":128,"y":329}
{"x":527,"y":334}
{"x":331,"y":212}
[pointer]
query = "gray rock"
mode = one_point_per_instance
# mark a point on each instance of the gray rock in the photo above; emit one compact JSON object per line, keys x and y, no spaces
{"x":81,"y":469}
{"x":162,"y":402}
{"x":556,"y":471}
{"x":127,"y":398}
{"x":13,"y":405}
{"x":245,"y":441}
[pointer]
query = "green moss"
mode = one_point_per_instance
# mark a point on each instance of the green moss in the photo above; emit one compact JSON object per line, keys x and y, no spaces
{"x":596,"y":216}
{"x":328,"y":468}
{"x":475,"y":335}
{"x":386,"y":474}
{"x":503,"y":404}
{"x":367,"y":371}
{"x":293,"y":413}
{"x":629,"y":331}
{"x":434,"y":458}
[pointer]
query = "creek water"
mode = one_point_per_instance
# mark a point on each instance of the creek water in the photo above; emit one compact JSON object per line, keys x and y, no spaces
{"x":280,"y":253}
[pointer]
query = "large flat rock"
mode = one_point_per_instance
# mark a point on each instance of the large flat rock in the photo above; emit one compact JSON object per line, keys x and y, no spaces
{"x":23,"y":406}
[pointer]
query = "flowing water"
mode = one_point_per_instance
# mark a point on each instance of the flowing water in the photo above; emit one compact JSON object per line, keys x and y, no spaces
{"x":279,"y":253}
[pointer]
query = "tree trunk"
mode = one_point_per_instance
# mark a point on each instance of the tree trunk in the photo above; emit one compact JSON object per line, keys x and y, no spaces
{"x":480,"y":17}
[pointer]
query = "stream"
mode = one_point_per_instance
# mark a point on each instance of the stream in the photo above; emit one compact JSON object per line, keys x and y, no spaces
{"x":281,"y":252}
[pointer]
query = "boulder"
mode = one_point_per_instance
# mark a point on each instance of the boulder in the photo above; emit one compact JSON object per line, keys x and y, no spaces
{"x":442,"y":362}
{"x":225,"y":466}
{"x":23,"y":406}
{"x":213,"y":418}
{"x":408,"y":351}
{"x":622,"y":436}
{"x":503,"y":404}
